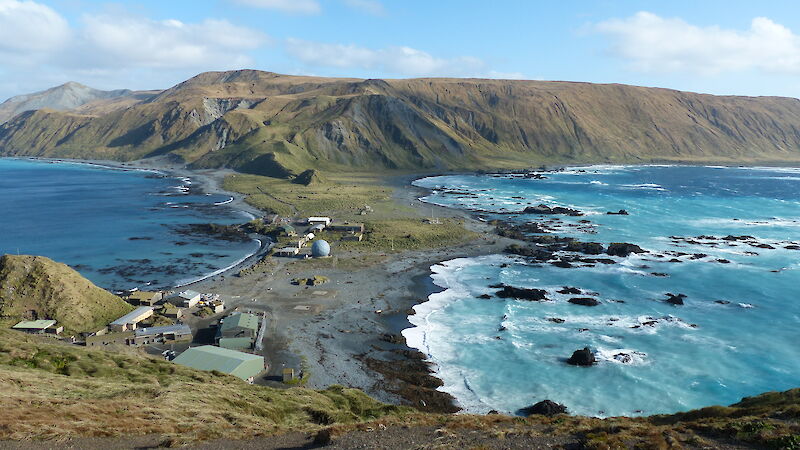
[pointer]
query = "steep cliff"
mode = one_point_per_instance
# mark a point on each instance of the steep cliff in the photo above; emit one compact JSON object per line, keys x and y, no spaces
{"x":267,"y":123}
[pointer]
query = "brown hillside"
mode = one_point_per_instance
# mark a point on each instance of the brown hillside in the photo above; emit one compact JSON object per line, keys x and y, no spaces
{"x":35,"y":287}
{"x":281,"y":125}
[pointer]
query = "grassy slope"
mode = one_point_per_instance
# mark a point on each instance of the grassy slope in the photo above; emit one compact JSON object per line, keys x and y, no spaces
{"x":269,"y":124}
{"x":72,"y":391}
{"x":389,"y":226}
{"x":54,"y":291}
{"x":68,"y":391}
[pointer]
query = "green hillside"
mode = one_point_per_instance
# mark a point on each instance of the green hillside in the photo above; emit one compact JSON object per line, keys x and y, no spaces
{"x":280,"y":125}
{"x":69,"y":392}
{"x":35,"y":287}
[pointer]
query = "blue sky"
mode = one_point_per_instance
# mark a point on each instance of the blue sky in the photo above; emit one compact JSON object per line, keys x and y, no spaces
{"x":719,"y":47}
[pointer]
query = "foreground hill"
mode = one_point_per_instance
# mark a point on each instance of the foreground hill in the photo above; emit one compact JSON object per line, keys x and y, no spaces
{"x":68,"y":96}
{"x":35,"y":287}
{"x":281,"y":125}
{"x":69,"y":392}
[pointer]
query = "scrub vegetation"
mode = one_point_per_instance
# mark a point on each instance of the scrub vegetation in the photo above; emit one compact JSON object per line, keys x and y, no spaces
{"x":69,"y":392}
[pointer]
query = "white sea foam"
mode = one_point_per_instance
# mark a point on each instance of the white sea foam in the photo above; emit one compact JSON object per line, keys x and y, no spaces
{"x":621,"y":356}
{"x":182,"y":283}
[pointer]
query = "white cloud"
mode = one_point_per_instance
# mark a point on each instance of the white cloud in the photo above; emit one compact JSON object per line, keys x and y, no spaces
{"x":655,"y":44}
{"x":403,"y":61}
{"x":137,"y":42}
{"x":39,"y":48}
{"x":292,"y":6}
{"x":373,"y":7}
{"x":26,"y":26}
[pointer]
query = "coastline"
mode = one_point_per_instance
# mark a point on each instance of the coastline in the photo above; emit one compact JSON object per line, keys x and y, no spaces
{"x":207,"y":181}
{"x":338,"y":341}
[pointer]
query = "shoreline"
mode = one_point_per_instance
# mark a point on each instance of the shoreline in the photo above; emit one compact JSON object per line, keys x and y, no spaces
{"x":207,"y":181}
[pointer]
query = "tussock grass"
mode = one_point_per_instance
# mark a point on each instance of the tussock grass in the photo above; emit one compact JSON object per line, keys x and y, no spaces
{"x":56,"y":391}
{"x":345,"y":195}
{"x":404,"y":234}
{"x":66,"y":391}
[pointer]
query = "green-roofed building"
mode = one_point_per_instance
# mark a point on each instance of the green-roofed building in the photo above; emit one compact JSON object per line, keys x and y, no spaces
{"x":39,"y":326}
{"x":240,"y":343}
{"x":239,"y":326}
{"x":208,"y":357}
{"x":287,"y":230}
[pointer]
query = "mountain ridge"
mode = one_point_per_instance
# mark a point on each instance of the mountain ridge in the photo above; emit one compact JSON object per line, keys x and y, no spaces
{"x":66,"y":97}
{"x":268,"y":123}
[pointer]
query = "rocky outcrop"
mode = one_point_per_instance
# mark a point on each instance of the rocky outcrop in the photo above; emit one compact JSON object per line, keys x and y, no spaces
{"x":537,"y":295}
{"x":544,"y":408}
{"x":673,"y":299}
{"x":584,"y":301}
{"x":545,"y":210}
{"x":623,"y":249}
{"x":583,"y":357}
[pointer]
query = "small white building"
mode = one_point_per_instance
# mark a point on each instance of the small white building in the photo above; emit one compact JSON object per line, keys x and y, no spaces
{"x":319,"y":220}
{"x":217,"y":305}
{"x":128,"y":321}
{"x":287,"y":251}
{"x":317,"y":228}
{"x":187,"y":298}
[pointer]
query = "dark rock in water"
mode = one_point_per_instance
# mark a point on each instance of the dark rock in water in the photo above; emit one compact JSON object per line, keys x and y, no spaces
{"x":544,"y":209}
{"x":485,"y":296}
{"x":723,"y":261}
{"x":792,"y":247}
{"x":143,"y":238}
{"x":503,"y":266}
{"x":675,"y":260}
{"x":544,"y":408}
{"x":698,"y":256}
{"x":606,"y":261}
{"x":535,"y":253}
{"x":589,"y":248}
{"x":659,"y":274}
{"x":767,"y":246}
{"x":584,"y":301}
{"x":556,"y":320}
{"x":673,"y":299}
{"x":492,"y":412}
{"x":623,"y":249}
{"x":570,"y":290}
{"x":561,"y":263}
{"x":737,"y":238}
{"x":497,"y":286}
{"x":393,"y":338}
{"x":501,"y":329}
{"x":722,"y":302}
{"x":624,"y":358}
{"x":583,"y":357}
{"x":621,"y":212}
{"x":522,"y":293}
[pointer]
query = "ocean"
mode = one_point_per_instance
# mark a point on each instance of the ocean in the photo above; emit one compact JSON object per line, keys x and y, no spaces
{"x":736,"y":334}
{"x":119,"y":228}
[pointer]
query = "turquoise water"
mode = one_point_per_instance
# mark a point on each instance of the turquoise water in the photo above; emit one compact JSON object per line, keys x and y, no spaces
{"x":119,"y":228}
{"x":736,"y":335}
